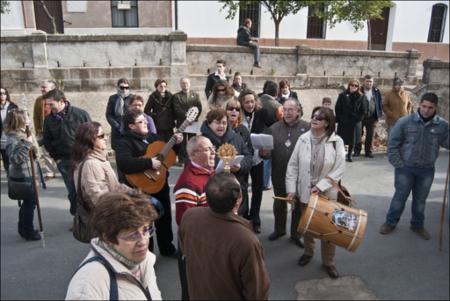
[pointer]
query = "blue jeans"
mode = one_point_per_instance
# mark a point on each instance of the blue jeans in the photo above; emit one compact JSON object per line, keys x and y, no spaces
{"x":65,"y":168}
{"x":407,"y":179}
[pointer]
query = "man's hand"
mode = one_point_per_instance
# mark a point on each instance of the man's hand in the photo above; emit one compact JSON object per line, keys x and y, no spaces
{"x":156,"y":164}
{"x":178,"y":137}
{"x":235,"y":168}
{"x":314,"y":189}
{"x":291,"y":197}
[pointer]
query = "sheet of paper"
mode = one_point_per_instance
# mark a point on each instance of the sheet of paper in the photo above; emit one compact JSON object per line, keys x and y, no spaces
{"x":236,"y":161}
{"x":262,"y":141}
{"x":194,"y":128}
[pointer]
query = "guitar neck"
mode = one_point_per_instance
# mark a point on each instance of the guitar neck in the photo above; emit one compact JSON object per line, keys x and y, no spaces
{"x":173,"y":140}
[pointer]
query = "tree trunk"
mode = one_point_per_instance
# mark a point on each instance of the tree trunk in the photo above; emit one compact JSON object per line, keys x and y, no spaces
{"x":369,"y":36}
{"x":277,"y":32}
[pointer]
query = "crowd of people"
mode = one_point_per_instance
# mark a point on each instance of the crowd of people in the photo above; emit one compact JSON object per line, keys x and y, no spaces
{"x":218,"y":251}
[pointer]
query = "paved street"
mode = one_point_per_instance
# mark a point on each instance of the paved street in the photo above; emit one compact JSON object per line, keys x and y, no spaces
{"x":398,"y":266}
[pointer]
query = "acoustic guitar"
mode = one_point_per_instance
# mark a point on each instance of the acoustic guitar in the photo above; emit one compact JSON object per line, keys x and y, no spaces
{"x":152,"y":180}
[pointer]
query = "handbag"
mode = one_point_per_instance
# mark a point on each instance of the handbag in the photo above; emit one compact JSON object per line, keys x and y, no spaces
{"x":81,"y":229}
{"x":344,"y":196}
{"x":20,"y":189}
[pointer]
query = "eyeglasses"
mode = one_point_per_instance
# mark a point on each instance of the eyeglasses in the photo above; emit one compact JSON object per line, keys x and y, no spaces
{"x":233,"y":109}
{"x":2,"y":93}
{"x":135,"y":236}
{"x":124,"y":87}
{"x":354,"y":85}
{"x":318,"y":117}
{"x":102,"y":136}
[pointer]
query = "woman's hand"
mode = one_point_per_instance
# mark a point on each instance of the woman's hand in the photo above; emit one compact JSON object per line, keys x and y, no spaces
{"x":314,"y":189}
{"x":235,"y":168}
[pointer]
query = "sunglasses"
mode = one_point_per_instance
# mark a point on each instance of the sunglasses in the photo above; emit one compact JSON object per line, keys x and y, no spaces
{"x":233,"y":109}
{"x":318,"y":117}
{"x":124,"y":88}
{"x":102,"y":136}
{"x":135,"y":236}
{"x":354,"y":85}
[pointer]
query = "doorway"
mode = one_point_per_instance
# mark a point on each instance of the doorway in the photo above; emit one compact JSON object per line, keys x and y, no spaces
{"x":378,"y":31}
{"x":44,"y":13}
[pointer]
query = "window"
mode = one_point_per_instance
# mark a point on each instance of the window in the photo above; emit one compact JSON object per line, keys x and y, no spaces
{"x":124,"y":13}
{"x":316,"y":26}
{"x":437,"y":23}
{"x":251,"y":11}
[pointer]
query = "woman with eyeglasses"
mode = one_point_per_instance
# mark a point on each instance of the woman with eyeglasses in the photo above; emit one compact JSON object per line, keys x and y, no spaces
{"x":119,"y":265}
{"x":19,"y":143}
{"x":318,"y":154}
{"x":159,"y":106}
{"x":350,"y":110}
{"x":222,"y":92}
{"x":6,"y":106}
{"x":97,"y":176}
{"x":217,"y":128}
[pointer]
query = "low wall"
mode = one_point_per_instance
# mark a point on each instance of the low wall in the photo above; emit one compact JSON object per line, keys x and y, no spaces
{"x":436,"y":79}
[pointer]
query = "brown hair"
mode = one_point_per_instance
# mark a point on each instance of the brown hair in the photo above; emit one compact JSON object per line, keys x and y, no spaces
{"x":216,"y":114}
{"x":235,"y":103}
{"x":329,"y":118}
{"x":354,"y":81}
{"x":159,"y":81}
{"x":15,"y":120}
{"x":247,"y":21}
{"x":326,"y":99}
{"x":8,"y":98}
{"x":249,"y":92}
{"x":115,"y":212}
{"x":222,"y":83}
{"x":85,"y":137}
{"x":136,"y":98}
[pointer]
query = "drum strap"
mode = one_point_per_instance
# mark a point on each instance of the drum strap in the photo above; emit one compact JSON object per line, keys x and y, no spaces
{"x":337,"y":186}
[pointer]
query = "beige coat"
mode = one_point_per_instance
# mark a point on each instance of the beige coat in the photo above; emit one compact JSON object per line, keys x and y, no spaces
{"x":97,"y":178}
{"x":396,"y":105}
{"x":92,"y":281}
{"x":298,"y":174}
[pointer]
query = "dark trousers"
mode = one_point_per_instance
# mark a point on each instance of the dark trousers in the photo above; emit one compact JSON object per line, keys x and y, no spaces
{"x":256,"y":51}
{"x":257,"y":176}
{"x":164,"y":234}
{"x":26,"y":215}
{"x":181,"y":148}
{"x":369,"y":126}
{"x":5,"y":160}
{"x":280,"y":211}
{"x":182,"y":273}
{"x":65,"y":168}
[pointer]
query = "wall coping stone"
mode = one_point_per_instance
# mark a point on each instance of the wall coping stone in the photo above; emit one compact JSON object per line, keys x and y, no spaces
{"x":238,"y":49}
{"x":173,"y":36}
{"x":435,"y":63}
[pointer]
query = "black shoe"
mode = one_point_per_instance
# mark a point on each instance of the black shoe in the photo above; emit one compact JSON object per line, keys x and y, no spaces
{"x":20,"y":229}
{"x":33,"y":235}
{"x":349,"y":159}
{"x":304,"y":260}
{"x":170,"y":251}
{"x":356,"y":154}
{"x":73,"y":208}
{"x":275,"y":235}
{"x":257,"y":228}
{"x":257,"y":65}
{"x":369,"y":155}
{"x":297,"y":241}
{"x":331,"y":271}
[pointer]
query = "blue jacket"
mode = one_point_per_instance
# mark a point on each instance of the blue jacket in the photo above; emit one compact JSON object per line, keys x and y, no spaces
{"x":415,"y":143}
{"x":376,"y":97}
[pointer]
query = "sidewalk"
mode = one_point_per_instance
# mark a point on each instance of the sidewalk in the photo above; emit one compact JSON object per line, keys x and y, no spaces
{"x":398,"y":266}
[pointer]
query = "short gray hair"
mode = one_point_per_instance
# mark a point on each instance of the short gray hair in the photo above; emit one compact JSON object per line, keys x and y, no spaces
{"x":192,"y":144}
{"x":185,"y":77}
{"x":49,"y":81}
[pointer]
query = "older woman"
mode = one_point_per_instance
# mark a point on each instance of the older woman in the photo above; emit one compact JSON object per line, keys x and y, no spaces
{"x":221,"y":93}
{"x":97,"y":176}
{"x":350,"y":110}
{"x":18,"y":145}
{"x":318,"y":154}
{"x":6,"y":106}
{"x":119,"y":265}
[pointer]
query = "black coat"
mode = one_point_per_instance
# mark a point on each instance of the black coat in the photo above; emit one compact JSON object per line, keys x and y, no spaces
{"x":232,"y":138}
{"x":114,"y":119}
{"x":243,"y":36}
{"x":161,"y":110}
{"x":350,"y":109}
{"x":59,"y":134}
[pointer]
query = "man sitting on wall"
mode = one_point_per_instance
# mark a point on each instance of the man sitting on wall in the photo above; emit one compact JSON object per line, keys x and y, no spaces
{"x":244,"y":38}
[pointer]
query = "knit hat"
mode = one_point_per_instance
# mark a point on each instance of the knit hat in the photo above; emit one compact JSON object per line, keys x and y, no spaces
{"x":397,"y":81}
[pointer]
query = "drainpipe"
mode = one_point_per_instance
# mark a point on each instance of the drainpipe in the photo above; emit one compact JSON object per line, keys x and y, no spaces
{"x":24,"y":18}
{"x":176,"y":14}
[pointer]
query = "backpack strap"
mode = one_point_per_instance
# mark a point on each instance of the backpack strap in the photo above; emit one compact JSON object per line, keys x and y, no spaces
{"x":113,"y":291}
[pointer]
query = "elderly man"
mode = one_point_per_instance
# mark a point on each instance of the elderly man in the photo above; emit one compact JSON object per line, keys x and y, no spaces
{"x":224,"y":258}
{"x":396,"y":103}
{"x":285,"y":135}
{"x":189,"y":190}
{"x":413,"y":149}
{"x":59,"y":136}
{"x":182,"y":102}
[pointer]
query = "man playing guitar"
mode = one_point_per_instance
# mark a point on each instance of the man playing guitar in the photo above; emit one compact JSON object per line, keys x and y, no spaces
{"x":130,"y":159}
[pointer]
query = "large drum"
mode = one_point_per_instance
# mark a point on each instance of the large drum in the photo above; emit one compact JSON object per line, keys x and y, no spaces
{"x":329,"y":220}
